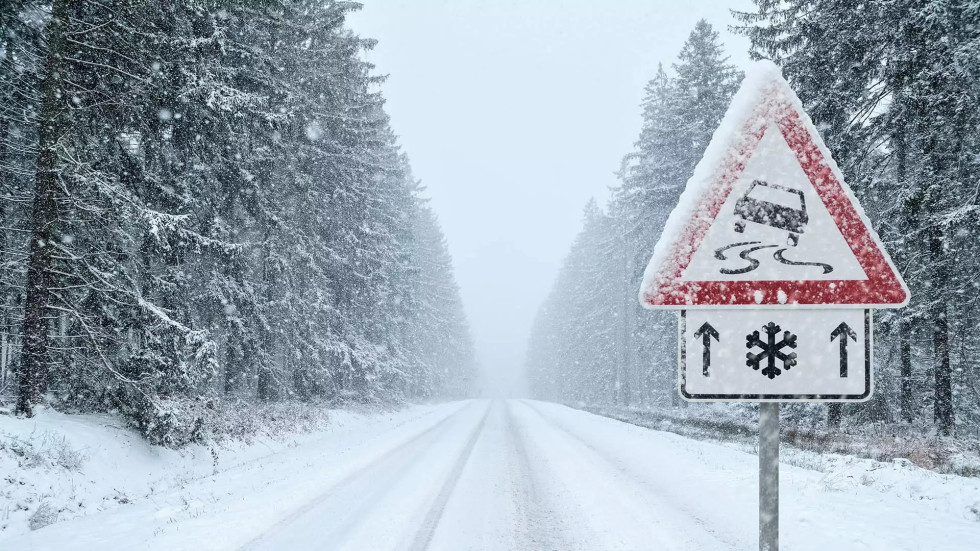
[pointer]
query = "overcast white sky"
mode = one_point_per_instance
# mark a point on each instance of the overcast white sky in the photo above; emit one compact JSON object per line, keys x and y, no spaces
{"x":514,"y":114}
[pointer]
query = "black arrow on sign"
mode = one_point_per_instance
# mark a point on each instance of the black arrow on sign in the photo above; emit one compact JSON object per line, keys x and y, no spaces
{"x":706,"y":332}
{"x":843,"y":331}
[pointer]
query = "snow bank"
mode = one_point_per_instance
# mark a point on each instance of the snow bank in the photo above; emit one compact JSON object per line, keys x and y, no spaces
{"x":58,"y":467}
{"x":827,"y":501}
{"x":469,"y":475}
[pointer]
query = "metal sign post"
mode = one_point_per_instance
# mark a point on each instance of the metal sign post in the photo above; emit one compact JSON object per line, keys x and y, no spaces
{"x":775,"y":269}
{"x":769,"y":476}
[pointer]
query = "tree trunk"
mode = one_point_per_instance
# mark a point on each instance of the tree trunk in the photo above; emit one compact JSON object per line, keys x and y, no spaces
{"x":907,"y":399}
{"x":233,"y":359}
{"x":265,"y":383}
{"x":944,"y":392}
{"x":943,"y":403}
{"x":33,"y":372}
{"x":624,"y":343}
{"x":5,"y":330}
{"x":835,"y":412}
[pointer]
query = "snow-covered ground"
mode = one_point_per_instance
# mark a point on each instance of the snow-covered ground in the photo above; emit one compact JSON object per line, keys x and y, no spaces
{"x":91,"y":466}
{"x":494,"y":475}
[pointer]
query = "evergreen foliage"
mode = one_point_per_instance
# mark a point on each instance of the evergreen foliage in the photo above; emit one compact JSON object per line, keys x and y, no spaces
{"x":892,"y":87}
{"x":611,"y":350}
{"x":203,"y":201}
{"x":893,"y":94}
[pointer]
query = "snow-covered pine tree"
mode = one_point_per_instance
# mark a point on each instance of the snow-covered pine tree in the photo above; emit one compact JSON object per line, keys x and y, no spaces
{"x":652,"y":179}
{"x":577,"y":339}
{"x":605,"y":348}
{"x":705,"y":84}
{"x":223,"y":210}
{"x":679,"y":116}
{"x":95,"y":331}
{"x":888,"y":85}
{"x":438,"y":338}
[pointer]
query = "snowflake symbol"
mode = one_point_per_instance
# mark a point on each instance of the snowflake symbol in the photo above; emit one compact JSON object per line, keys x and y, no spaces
{"x":771,"y":350}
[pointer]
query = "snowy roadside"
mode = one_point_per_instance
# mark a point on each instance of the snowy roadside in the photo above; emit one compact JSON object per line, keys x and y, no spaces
{"x":834,"y":502}
{"x":508,"y":475}
{"x":58,"y":467}
{"x":945,"y":473}
{"x":886,"y":443}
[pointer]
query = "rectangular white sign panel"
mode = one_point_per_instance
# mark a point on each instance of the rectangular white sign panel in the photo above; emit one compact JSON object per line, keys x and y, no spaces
{"x":781,"y":355}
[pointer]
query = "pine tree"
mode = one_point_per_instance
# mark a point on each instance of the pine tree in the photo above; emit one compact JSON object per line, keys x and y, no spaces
{"x":592,"y":341}
{"x":221,"y":213}
{"x":885,"y":93}
{"x":679,"y":117}
{"x":705,"y":84}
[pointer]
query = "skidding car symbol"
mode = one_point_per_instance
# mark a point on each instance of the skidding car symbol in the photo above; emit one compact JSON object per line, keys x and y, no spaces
{"x":752,"y":207}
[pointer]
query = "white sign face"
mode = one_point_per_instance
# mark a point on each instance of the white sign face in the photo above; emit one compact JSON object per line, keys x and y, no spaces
{"x":773,"y":226}
{"x":775,"y":355}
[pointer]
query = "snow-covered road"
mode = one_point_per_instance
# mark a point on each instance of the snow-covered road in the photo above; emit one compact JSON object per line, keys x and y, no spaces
{"x":516,"y":475}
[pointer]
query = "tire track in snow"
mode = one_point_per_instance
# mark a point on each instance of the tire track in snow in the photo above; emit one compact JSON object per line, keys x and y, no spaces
{"x":656,"y":490}
{"x":536,"y":516}
{"x":428,"y":529}
{"x":390,"y":465}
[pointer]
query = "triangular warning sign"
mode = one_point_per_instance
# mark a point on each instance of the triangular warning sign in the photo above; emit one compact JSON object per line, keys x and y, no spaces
{"x":767,"y":219}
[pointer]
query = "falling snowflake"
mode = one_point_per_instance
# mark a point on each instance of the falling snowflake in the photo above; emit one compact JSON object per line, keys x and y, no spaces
{"x":314,"y":131}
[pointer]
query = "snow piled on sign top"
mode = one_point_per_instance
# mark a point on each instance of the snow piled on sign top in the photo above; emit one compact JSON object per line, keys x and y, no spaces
{"x":721,"y":148}
{"x":763,"y":98}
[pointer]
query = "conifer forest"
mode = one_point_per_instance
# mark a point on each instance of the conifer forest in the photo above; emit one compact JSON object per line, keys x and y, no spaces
{"x":477,"y":275}
{"x":202,"y":204}
{"x":893,"y":89}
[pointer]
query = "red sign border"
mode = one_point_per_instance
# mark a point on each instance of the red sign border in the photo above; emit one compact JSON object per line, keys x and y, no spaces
{"x":883,"y":286}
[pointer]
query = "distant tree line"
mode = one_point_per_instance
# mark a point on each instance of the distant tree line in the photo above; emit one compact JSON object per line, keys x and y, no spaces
{"x":893,"y":88}
{"x":203,"y":200}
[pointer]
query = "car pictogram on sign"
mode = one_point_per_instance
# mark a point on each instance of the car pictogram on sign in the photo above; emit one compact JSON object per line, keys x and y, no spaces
{"x":773,"y":205}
